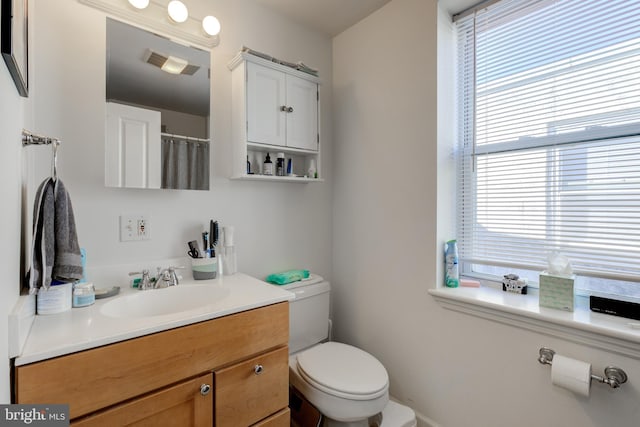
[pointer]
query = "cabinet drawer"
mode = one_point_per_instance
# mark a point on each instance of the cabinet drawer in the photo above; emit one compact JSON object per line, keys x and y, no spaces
{"x":184,"y":404}
{"x":281,"y":419}
{"x":246,"y":393}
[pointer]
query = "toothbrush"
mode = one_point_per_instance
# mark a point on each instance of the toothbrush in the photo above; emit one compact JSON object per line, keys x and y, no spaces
{"x":205,"y":243}
{"x":213,"y":229}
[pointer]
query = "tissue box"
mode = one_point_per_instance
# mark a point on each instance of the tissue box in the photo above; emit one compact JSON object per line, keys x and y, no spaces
{"x":556,"y":291}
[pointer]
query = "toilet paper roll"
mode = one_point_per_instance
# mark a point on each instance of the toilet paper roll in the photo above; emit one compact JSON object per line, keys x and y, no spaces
{"x":571,"y":374}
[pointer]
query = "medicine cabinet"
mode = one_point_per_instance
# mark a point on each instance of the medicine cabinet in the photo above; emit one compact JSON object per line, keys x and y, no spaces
{"x":275,"y":109}
{"x":157,"y":111}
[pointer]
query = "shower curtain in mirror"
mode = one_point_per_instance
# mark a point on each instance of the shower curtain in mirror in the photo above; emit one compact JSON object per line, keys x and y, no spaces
{"x":185,"y":164}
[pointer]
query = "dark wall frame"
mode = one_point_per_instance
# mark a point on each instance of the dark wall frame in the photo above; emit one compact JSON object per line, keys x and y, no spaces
{"x":14,"y":42}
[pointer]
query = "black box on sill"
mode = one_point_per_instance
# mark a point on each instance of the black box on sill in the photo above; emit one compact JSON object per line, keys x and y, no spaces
{"x":614,"y":307}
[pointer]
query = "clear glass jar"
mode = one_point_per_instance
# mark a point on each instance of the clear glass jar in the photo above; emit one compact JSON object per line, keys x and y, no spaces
{"x":84,"y":294}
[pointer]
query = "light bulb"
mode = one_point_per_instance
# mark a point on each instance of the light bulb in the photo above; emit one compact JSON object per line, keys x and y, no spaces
{"x":139,"y":4}
{"x":178,"y":12}
{"x":211,"y":25}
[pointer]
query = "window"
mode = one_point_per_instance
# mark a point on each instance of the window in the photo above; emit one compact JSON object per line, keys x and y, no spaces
{"x":549,"y":140}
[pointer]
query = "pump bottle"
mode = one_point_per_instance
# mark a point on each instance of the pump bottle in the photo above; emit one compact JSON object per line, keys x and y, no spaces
{"x":230,"y":262}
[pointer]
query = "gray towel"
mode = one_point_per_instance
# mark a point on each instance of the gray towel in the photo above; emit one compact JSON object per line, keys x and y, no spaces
{"x":55,"y":253}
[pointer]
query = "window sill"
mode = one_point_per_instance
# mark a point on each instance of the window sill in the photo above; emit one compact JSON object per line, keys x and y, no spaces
{"x":582,"y":326}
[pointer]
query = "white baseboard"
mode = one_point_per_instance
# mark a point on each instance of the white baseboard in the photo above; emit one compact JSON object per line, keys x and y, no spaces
{"x":424,"y":421}
{"x":20,"y":320}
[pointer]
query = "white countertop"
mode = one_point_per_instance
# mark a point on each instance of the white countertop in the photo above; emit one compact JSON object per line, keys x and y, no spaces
{"x":86,"y":327}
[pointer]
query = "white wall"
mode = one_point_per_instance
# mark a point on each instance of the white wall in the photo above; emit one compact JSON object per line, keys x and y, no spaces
{"x":454,"y":369}
{"x":11,"y":122}
{"x":384,"y":74}
{"x":278,"y":225}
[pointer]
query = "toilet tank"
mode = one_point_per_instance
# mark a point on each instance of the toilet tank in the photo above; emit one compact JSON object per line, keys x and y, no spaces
{"x":308,"y":313}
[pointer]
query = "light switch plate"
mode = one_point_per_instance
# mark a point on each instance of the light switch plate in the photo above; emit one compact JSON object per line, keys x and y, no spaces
{"x":134,"y":227}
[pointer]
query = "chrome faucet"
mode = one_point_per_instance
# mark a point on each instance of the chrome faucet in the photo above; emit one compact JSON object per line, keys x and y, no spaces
{"x":146,"y":282}
{"x":164,"y":278}
{"x":167,"y":277}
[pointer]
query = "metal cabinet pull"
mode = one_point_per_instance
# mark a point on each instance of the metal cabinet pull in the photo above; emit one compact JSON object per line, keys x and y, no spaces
{"x":290,"y":110}
{"x":205,"y":389}
{"x":283,"y":108}
{"x":258,"y":369}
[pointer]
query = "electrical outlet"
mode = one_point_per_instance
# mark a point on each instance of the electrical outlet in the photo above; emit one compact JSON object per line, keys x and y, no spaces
{"x":142,"y":228}
{"x":134,"y":227}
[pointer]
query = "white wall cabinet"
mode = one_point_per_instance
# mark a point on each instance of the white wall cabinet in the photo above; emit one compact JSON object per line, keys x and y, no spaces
{"x":275,"y":108}
{"x":282,"y":109}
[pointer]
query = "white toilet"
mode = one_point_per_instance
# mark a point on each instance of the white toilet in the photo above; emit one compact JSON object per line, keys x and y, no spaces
{"x":347,"y":385}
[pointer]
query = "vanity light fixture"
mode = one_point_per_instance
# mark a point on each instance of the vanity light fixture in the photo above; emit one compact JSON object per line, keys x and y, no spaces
{"x":139,"y":4}
{"x":178,"y":12}
{"x":152,"y":14}
{"x":211,"y":25}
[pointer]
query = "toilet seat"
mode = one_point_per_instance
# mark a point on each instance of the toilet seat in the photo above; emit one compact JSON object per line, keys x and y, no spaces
{"x":343,"y":371}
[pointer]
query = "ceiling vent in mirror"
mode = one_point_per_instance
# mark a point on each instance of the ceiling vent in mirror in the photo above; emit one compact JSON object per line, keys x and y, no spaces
{"x":170,"y":64}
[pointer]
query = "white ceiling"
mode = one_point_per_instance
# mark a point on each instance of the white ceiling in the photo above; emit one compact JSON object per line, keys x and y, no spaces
{"x":328,"y":16}
{"x":334,"y":16}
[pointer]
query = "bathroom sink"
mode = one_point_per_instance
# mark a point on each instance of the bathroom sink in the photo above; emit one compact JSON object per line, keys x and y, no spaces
{"x":159,"y":302}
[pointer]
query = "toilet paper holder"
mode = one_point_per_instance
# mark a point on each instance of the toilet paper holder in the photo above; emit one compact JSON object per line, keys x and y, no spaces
{"x":613,"y":375}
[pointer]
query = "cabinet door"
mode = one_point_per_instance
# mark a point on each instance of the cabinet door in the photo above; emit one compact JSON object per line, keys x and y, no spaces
{"x":266,"y":122}
{"x":133,"y":147}
{"x":252,"y":390}
{"x":302,"y":118}
{"x":187,"y":404}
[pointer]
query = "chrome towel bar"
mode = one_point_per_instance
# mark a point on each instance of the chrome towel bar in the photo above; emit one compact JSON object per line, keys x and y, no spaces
{"x":30,"y":138}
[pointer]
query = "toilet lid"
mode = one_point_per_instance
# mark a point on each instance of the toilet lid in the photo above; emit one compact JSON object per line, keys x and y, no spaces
{"x":344,"y":371}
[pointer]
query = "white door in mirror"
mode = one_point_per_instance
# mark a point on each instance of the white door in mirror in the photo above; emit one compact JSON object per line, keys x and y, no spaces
{"x":133,"y":147}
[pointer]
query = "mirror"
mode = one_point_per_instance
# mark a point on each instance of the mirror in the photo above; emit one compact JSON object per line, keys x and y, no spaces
{"x":157,"y":111}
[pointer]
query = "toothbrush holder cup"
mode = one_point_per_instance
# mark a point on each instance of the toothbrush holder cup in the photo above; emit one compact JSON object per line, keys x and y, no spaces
{"x":204,"y":268}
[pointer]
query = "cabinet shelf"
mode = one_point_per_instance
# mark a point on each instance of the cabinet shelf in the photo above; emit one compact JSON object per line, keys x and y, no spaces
{"x":256,"y":146}
{"x":257,"y":177}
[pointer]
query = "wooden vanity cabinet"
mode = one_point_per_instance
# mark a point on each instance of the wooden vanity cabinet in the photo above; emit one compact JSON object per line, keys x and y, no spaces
{"x":158,"y":379}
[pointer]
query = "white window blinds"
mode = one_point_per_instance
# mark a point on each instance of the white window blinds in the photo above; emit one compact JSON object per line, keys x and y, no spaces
{"x":549,"y":134}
